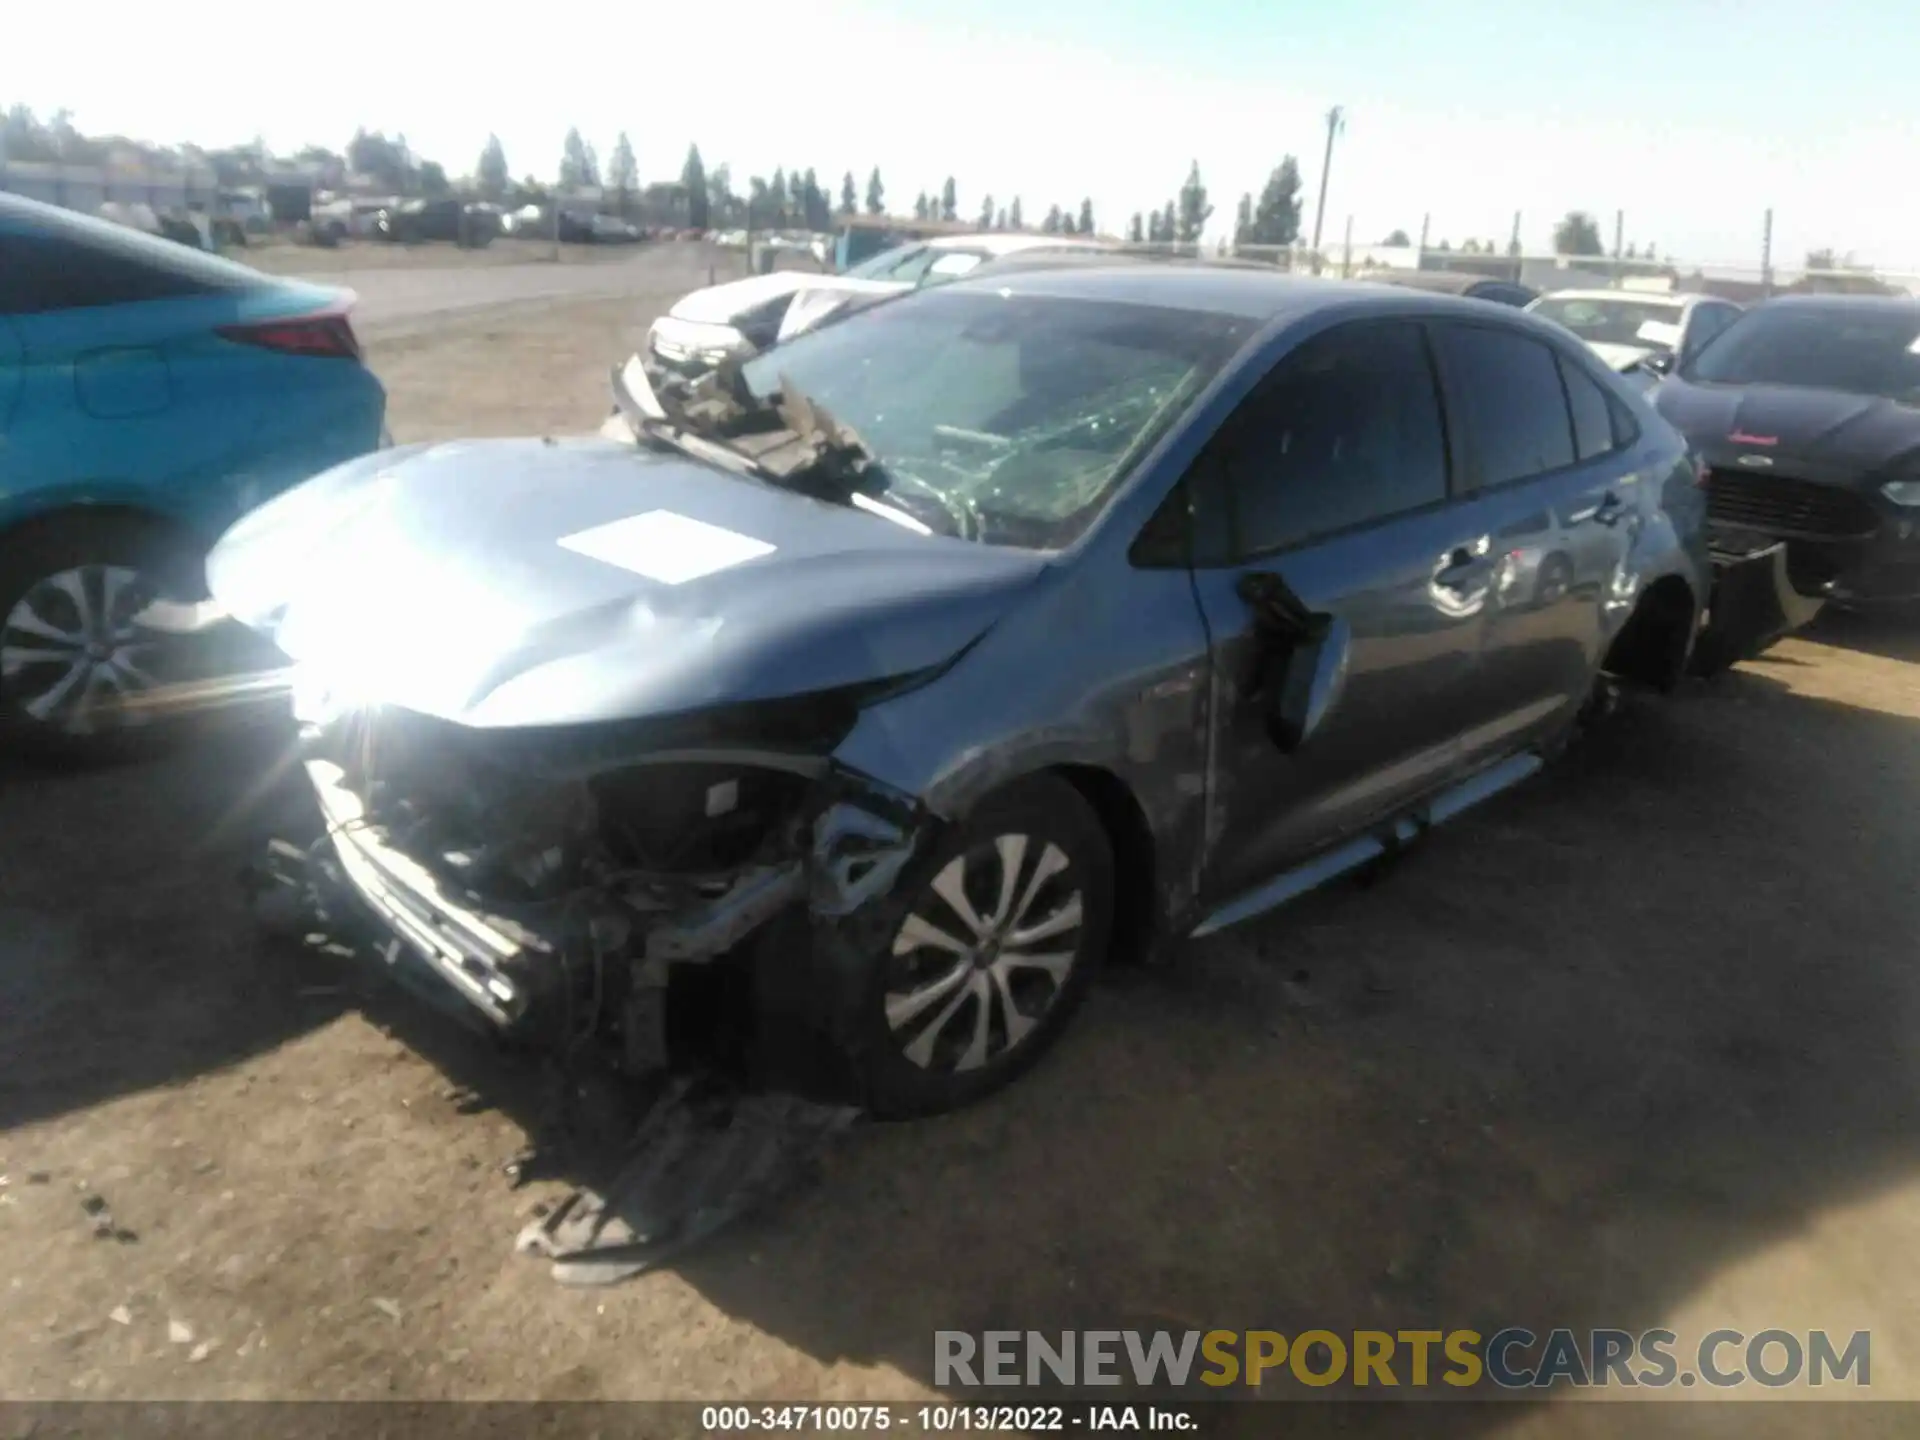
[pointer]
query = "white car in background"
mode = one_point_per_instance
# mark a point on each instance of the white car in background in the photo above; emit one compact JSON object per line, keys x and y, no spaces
{"x":744,"y":316}
{"x":1643,"y":334}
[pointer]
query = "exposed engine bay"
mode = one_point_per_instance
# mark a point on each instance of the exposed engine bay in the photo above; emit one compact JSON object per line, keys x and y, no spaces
{"x":554,"y":881}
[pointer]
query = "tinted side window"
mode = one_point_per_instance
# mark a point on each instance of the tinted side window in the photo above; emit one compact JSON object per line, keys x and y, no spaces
{"x":1626,"y":429}
{"x":1592,"y":417}
{"x":1504,"y":389}
{"x":39,"y":273}
{"x":1345,"y":431}
{"x":1708,"y":321}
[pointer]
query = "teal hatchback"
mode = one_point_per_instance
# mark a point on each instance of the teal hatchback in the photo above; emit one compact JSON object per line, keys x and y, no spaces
{"x":150,"y":394}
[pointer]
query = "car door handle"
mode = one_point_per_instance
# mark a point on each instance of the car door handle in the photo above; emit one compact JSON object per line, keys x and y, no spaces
{"x":1606,"y":512}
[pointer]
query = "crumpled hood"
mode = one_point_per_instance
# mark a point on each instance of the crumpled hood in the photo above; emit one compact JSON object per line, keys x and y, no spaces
{"x":821,"y":298}
{"x":1852,"y":433}
{"x":725,"y":304}
{"x":529,"y":582}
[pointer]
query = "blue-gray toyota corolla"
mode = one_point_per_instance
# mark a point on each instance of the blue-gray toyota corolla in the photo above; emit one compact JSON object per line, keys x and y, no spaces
{"x":906,"y":670}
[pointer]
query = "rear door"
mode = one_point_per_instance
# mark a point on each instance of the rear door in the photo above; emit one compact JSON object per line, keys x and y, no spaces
{"x":1334,"y":478}
{"x":1541,"y":447}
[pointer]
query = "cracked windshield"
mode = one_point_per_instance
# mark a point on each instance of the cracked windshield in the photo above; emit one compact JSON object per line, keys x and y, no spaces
{"x":1002,"y":418}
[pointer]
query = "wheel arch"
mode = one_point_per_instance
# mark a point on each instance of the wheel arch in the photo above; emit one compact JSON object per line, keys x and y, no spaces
{"x":94,"y":504}
{"x":1135,"y":855}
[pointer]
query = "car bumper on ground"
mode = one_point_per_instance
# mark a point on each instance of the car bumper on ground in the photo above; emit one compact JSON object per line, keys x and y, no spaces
{"x":1753,"y":604}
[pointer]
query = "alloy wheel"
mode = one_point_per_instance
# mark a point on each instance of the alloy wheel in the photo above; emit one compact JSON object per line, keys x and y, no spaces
{"x":71,"y":657}
{"x":984,"y":954}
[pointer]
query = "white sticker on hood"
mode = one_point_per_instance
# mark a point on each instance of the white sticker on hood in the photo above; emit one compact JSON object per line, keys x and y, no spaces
{"x":666,"y":547}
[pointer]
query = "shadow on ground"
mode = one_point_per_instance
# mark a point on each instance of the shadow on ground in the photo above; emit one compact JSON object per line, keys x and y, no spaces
{"x":1892,"y":634}
{"x":1630,"y":1026}
{"x":125,"y":958}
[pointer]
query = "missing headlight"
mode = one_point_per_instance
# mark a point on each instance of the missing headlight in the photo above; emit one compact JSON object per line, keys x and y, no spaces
{"x":693,"y":817}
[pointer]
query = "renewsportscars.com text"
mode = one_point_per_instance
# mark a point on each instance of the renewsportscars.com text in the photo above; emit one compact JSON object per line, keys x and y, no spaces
{"x":1510,"y":1359}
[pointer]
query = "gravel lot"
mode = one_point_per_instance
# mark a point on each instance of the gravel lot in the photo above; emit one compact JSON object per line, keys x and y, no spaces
{"x":1633,"y":1046}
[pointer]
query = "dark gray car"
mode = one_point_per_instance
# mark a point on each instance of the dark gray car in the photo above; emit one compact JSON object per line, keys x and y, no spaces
{"x":1808,"y":413}
{"x":933,"y":655}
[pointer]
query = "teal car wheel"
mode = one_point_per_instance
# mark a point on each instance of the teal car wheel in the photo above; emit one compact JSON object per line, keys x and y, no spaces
{"x":80,"y":678}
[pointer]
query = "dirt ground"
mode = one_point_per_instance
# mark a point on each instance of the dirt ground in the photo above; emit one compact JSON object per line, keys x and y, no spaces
{"x":1633,"y":1046}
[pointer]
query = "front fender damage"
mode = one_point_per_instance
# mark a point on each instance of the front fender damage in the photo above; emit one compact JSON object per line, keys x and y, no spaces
{"x":803,"y":922}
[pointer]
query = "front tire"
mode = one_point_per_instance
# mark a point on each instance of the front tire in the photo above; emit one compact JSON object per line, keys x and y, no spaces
{"x":1009,"y":918}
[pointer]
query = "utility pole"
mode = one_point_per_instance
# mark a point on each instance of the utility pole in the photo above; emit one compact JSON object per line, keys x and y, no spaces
{"x":1336,"y":122}
{"x":1420,"y":257}
{"x":1346,"y":254}
{"x":1513,"y":249}
{"x":1619,"y":232}
{"x":1766,"y":254}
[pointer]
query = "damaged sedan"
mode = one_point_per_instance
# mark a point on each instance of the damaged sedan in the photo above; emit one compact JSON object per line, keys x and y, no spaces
{"x":851,"y":710}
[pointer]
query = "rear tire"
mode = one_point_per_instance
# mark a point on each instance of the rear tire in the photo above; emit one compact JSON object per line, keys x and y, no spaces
{"x":73,"y":667}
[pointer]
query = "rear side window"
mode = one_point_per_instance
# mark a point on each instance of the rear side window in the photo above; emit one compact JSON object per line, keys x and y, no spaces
{"x":80,"y":263}
{"x":1505,"y":393}
{"x":1346,"y":431}
{"x":1626,"y":430}
{"x":1593,"y":434}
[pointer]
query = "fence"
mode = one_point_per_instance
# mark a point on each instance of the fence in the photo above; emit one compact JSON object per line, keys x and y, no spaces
{"x":1560,"y":272}
{"x":88,"y":187}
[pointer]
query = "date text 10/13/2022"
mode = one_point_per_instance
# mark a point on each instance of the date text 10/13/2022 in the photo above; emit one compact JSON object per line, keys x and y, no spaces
{"x":945,"y":1419}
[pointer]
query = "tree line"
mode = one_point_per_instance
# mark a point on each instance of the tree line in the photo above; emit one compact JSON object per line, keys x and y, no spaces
{"x":791,"y":198}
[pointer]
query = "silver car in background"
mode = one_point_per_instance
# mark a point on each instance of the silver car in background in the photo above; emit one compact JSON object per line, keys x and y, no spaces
{"x":1642,"y":334}
{"x":743,"y":317}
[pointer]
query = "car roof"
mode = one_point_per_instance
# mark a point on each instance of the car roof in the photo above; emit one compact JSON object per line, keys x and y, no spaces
{"x":1248,"y":289}
{"x":1445,"y":282}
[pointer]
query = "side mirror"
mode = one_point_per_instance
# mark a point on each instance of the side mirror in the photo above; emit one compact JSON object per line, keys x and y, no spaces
{"x":1302,"y":660}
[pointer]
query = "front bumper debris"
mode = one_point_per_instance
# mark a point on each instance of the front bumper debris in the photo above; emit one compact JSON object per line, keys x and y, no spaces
{"x":700,"y":1161}
{"x":712,"y":1147}
{"x":467,"y":950}
{"x":1753,"y":604}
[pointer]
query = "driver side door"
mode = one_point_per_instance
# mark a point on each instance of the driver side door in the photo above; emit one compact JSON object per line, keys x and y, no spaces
{"x":1335,"y":478}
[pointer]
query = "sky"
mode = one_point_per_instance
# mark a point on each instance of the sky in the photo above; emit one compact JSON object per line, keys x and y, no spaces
{"x":1691,"y":117}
